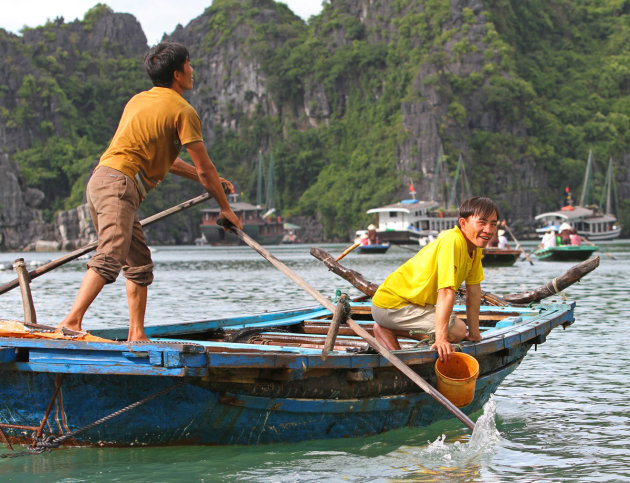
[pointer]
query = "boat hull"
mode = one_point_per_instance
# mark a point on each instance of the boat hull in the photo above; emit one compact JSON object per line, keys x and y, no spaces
{"x":195,"y":414}
{"x":497,"y":257}
{"x":566,"y":253}
{"x":196,"y":384}
{"x":269,"y":234}
{"x":373,"y":249}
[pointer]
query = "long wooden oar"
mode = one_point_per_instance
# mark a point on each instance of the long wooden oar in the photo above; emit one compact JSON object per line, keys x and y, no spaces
{"x":400,"y":365}
{"x":593,"y":245}
{"x":91,"y":246}
{"x":348,"y":250}
{"x":518,"y":245}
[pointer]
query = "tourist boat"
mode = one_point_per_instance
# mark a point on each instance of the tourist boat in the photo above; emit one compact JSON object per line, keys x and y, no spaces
{"x":413,"y":221}
{"x":376,"y":248}
{"x":595,"y":223}
{"x":499,"y":256}
{"x":246,"y":380}
{"x":566,"y":253}
{"x":265,"y":228}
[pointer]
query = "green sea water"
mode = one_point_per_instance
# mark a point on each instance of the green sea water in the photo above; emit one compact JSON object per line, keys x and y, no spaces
{"x":563,"y":415}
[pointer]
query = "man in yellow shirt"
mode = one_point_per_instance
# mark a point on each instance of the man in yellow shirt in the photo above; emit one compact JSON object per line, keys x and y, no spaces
{"x":154,"y":126}
{"x":419,"y":296}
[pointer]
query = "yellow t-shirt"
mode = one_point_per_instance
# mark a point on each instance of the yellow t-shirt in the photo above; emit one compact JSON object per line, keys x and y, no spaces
{"x":442,"y":263}
{"x":154,"y":126}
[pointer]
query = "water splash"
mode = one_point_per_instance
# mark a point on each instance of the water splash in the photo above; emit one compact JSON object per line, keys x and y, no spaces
{"x":443,"y":460}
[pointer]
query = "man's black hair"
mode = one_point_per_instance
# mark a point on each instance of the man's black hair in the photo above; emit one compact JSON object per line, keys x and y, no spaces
{"x":162,"y":60}
{"x":478,"y":205}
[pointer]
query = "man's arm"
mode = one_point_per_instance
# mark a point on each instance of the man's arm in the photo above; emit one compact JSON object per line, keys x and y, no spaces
{"x":443,"y":311}
{"x":205,"y":173}
{"x":185,"y":170}
{"x":473,"y":302}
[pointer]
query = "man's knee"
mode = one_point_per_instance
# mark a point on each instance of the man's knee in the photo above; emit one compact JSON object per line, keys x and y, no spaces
{"x":106,"y":266}
{"x":458,"y":331}
{"x":142,"y":275}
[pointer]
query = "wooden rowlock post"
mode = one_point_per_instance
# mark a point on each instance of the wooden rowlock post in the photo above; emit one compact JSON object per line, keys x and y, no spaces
{"x":27,"y":299}
{"x":340,"y":316}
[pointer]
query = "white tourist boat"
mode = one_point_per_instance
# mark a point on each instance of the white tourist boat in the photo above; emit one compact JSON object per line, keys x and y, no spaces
{"x":411,"y":221}
{"x":595,"y":223}
{"x":415,"y":221}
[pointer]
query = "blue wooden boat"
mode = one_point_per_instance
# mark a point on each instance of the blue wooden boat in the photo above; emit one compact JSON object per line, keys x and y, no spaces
{"x":242,"y":381}
{"x":566,"y":253}
{"x":373,"y":249}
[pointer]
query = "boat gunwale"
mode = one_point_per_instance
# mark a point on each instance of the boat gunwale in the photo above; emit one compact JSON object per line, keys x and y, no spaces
{"x":193,"y":359}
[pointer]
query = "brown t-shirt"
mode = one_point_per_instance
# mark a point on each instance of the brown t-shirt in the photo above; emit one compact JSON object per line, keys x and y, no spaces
{"x":152,"y":130}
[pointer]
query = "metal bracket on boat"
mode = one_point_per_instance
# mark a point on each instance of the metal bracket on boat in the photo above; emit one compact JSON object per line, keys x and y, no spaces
{"x":340,"y":316}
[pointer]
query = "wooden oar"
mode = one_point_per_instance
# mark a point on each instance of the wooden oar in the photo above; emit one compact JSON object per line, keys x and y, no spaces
{"x":518,"y":245}
{"x":91,"y":246}
{"x":593,"y":245}
{"x":556,"y":285}
{"x":395,"y":361}
{"x":348,"y":250}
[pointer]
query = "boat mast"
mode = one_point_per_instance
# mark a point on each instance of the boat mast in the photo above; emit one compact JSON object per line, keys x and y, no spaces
{"x":587,"y":189}
{"x":607,"y":193}
{"x":459,"y":185}
{"x":436,"y":188}
{"x":270,"y":202}
{"x":259,"y":180}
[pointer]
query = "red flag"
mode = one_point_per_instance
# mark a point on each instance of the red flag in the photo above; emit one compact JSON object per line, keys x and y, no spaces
{"x":411,"y":190}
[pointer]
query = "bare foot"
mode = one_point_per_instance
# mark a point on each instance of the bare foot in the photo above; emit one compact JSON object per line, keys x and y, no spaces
{"x":69,"y":324}
{"x":138,"y":339}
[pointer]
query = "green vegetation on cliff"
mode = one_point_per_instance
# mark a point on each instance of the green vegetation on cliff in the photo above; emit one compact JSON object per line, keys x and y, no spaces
{"x":536,"y":83}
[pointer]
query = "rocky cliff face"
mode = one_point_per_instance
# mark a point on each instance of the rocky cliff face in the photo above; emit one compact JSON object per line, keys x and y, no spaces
{"x":20,"y":220}
{"x":230,"y":83}
{"x":35,"y":68}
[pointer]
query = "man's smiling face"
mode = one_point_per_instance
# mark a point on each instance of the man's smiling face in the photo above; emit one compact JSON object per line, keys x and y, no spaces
{"x":478,"y":230}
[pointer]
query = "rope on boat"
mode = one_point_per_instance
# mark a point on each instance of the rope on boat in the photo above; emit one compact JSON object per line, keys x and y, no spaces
{"x":560,"y":292}
{"x":46,"y":442}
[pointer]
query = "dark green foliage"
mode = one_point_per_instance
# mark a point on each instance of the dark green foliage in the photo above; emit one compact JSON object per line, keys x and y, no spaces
{"x":574,"y":57}
{"x":554,"y":82}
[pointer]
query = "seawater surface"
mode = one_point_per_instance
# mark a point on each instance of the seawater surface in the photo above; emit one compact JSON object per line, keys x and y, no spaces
{"x":563,"y":415}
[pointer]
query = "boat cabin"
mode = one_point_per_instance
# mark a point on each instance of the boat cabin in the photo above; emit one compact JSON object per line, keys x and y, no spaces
{"x":588,"y":223}
{"x":412,"y":221}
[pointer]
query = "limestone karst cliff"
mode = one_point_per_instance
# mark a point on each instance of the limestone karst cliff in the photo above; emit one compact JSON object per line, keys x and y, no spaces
{"x":352,"y":106}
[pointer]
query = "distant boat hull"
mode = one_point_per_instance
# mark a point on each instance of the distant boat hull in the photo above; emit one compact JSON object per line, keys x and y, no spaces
{"x":370,"y":249}
{"x":499,"y":257}
{"x":566,"y":253}
{"x":611,"y":232}
{"x":265,"y":234}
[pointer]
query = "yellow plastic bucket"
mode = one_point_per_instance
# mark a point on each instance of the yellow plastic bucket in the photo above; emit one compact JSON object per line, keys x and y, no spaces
{"x":456,"y":378}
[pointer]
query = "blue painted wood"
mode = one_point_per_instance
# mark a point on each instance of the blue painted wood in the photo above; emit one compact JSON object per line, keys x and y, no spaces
{"x":239,"y":393}
{"x":7,"y":354}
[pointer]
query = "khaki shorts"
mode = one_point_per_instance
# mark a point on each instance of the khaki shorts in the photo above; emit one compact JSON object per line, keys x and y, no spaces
{"x":410,"y":317}
{"x":113,"y":200}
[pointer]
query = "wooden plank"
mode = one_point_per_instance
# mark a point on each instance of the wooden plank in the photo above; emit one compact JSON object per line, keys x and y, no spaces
{"x":114,"y":369}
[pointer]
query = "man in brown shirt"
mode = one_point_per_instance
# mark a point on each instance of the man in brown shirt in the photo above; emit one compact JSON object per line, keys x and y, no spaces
{"x":153,"y":127}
